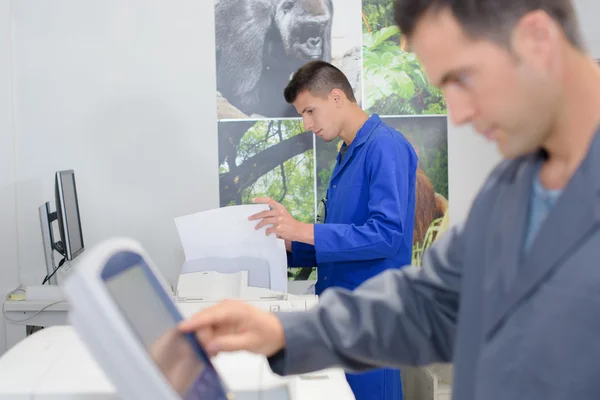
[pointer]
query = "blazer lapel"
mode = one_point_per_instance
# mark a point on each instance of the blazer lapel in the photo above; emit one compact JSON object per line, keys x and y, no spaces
{"x":574,"y":216}
{"x":503,"y":250}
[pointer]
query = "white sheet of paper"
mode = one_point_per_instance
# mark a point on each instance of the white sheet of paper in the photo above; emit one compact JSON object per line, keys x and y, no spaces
{"x":225,"y":233}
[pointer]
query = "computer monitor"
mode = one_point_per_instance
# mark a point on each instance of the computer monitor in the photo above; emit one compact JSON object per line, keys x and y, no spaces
{"x":67,"y":213}
{"x":70,"y":243}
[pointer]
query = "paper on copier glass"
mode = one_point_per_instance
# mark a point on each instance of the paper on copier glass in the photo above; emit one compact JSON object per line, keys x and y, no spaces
{"x":223,"y":240}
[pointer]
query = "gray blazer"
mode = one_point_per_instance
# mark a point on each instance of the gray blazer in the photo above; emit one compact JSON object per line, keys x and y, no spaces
{"x":516,"y":325}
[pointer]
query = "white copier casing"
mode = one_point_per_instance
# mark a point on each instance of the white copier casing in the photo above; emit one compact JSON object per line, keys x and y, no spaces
{"x":84,"y":361}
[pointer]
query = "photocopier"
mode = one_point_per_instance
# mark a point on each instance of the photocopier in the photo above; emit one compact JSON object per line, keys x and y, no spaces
{"x":123,"y":343}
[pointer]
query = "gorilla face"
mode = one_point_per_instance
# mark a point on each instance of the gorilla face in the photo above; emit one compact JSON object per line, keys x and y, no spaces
{"x":261,"y":43}
{"x":303,"y":25}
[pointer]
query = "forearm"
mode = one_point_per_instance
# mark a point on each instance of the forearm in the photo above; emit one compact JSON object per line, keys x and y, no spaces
{"x":341,"y":330}
{"x":305,"y":234}
{"x":347,"y":242}
{"x":399,"y":317}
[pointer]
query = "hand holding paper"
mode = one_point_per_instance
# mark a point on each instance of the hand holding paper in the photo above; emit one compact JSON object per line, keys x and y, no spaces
{"x":224,"y":240}
{"x":283,"y":225}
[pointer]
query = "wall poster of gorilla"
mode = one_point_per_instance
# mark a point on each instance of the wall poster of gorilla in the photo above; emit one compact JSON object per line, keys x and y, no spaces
{"x":263,"y":148}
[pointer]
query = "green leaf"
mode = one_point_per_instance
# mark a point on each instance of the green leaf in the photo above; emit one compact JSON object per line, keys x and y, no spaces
{"x":391,"y":47}
{"x":372,"y":95}
{"x":403,"y":85}
{"x":421,"y":81}
{"x":373,"y":39}
{"x":387,"y":59}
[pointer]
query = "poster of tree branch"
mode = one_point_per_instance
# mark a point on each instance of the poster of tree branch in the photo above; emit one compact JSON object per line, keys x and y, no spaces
{"x":262,"y":151}
{"x":394,"y":81}
{"x":428,"y":135}
{"x":272,"y":158}
{"x":261,"y":43}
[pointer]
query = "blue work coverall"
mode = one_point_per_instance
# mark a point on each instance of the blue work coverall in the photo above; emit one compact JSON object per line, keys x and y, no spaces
{"x":368,"y":228}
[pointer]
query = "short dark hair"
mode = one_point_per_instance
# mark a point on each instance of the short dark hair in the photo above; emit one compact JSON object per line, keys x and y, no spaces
{"x":493,"y":19}
{"x":318,"y":78}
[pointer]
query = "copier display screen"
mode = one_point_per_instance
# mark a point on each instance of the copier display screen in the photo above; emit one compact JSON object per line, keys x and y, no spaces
{"x":173,"y":352}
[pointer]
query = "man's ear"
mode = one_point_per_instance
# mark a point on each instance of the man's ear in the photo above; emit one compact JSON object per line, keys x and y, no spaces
{"x":337,"y":96}
{"x":536,"y":37}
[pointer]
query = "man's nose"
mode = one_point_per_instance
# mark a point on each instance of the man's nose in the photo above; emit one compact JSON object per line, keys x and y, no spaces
{"x":460,"y":107}
{"x":307,"y":124}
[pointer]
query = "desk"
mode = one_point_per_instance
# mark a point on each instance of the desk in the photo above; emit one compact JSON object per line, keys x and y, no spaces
{"x":18,"y":314}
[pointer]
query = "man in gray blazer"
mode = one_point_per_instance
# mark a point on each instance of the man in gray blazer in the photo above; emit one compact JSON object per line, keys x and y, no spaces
{"x":512,"y":296}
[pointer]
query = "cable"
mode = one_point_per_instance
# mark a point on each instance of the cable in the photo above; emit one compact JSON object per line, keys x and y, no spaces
{"x":60,"y":264}
{"x":18,"y":289}
{"x":20,"y":321}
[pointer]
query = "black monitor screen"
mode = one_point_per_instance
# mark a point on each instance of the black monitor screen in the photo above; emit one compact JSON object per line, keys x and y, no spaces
{"x":67,"y":209}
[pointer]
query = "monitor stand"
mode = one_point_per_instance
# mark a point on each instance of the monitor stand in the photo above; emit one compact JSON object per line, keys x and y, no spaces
{"x":46,"y":219}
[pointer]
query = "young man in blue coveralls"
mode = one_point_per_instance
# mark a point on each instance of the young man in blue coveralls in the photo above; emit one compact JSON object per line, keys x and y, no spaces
{"x":370,"y":203}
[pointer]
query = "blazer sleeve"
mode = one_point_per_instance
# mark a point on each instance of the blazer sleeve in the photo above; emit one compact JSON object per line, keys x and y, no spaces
{"x":391,"y":165}
{"x":399,"y":317}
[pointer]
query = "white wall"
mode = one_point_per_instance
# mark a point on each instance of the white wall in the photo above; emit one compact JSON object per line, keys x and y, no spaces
{"x":588,"y":11}
{"x":471,"y":158}
{"x":123,"y":92}
{"x":118,"y":91}
{"x":9,"y":271}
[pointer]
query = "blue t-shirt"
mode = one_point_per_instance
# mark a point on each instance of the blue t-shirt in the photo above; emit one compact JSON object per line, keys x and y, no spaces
{"x":541,"y":202}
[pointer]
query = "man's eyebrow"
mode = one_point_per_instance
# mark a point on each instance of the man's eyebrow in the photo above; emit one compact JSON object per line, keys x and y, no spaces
{"x":450,"y":76}
{"x":443,"y":80}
